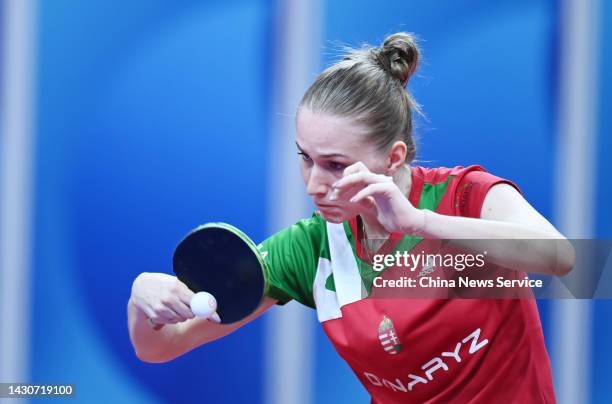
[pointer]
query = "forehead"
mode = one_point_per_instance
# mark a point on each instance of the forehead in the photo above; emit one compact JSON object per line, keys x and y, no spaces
{"x":323,"y":133}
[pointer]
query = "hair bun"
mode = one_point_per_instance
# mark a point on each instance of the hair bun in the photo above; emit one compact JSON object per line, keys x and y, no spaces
{"x":399,"y":56}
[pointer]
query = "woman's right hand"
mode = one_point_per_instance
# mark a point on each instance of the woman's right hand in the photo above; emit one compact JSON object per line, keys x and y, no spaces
{"x":163,"y":298}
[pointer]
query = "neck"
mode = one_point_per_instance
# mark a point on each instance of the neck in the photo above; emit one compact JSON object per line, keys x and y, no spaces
{"x":372,"y":227}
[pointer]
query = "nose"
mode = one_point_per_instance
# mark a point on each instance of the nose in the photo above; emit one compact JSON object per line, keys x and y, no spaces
{"x":316,"y":183}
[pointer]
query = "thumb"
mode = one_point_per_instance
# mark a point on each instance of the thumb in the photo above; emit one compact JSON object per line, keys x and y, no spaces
{"x":368,"y":204}
{"x":214,"y":318}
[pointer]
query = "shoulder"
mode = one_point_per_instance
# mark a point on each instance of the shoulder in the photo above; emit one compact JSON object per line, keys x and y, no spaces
{"x":476,"y":185}
{"x":477,"y":173}
{"x":291,"y":257}
{"x":466,"y":187}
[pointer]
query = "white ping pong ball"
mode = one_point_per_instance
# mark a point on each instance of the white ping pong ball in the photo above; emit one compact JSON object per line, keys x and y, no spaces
{"x":203,"y":304}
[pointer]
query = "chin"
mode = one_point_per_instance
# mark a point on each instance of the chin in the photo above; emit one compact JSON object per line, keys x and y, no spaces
{"x":334,"y":218}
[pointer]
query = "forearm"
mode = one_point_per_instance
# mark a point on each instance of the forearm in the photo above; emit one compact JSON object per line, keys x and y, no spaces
{"x":149,"y":344}
{"x":171,"y":340}
{"x":511,"y":245}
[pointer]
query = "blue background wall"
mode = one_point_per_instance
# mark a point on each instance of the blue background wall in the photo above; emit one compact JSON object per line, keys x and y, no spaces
{"x":152,"y":119}
{"x":602,"y":330}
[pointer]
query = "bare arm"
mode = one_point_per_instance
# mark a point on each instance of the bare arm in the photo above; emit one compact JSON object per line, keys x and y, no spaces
{"x":506,"y":215}
{"x":529,"y":243}
{"x":159,"y":296}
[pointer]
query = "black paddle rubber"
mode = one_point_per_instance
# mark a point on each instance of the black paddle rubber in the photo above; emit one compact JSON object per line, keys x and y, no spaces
{"x":219,"y":259}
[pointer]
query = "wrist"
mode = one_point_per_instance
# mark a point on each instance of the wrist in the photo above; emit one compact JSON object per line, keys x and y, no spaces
{"x":419,"y":225}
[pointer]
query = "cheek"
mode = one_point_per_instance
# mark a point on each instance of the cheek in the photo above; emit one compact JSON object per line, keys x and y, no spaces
{"x":305,"y":171}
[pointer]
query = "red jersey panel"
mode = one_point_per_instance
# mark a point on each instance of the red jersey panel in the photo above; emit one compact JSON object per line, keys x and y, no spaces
{"x":439,"y":350}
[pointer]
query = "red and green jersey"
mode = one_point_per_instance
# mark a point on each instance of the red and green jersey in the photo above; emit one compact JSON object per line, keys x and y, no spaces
{"x":407,"y":349}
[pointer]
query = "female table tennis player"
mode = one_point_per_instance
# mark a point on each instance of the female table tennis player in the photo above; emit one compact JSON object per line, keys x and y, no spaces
{"x":355,"y":145}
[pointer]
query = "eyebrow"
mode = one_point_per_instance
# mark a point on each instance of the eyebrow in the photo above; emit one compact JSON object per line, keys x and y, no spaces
{"x":325,"y":156}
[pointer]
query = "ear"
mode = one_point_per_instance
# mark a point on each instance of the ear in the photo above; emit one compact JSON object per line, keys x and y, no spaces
{"x":396,"y":157}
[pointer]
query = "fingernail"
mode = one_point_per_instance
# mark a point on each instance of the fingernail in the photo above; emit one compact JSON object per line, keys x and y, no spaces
{"x":215,"y":318}
{"x":334,"y":195}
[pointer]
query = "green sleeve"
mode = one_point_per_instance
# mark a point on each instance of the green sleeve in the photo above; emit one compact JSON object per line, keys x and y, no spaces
{"x":291,"y":258}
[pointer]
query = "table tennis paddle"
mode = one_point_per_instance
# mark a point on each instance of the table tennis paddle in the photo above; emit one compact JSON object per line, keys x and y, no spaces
{"x":220,"y":259}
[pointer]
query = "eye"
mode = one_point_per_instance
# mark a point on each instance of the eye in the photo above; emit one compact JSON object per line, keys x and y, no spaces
{"x":304,"y":156}
{"x":336,"y":166}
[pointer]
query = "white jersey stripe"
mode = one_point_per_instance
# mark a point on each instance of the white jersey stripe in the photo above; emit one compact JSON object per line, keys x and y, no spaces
{"x":325,"y":299}
{"x":349,"y":286}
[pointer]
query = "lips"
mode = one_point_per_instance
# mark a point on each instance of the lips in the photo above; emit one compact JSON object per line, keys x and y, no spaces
{"x":325,"y":206}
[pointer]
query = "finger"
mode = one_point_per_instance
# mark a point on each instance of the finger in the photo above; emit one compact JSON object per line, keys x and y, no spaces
{"x":157,"y":314}
{"x":166,"y":315}
{"x":158,"y":319}
{"x":184,"y":294}
{"x":354,"y":183}
{"x":368,"y":203}
{"x":370,"y":191}
{"x":354,"y":168}
{"x":345,"y":192}
{"x":182,"y":306}
{"x":149,"y":312}
{"x":347,"y":187}
{"x":349,"y":179}
{"x":183,"y":310}
{"x":214,"y":318}
{"x":154,"y":325}
{"x":360,"y":178}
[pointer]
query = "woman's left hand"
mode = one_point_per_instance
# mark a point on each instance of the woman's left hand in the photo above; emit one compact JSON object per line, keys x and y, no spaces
{"x":378,"y":196}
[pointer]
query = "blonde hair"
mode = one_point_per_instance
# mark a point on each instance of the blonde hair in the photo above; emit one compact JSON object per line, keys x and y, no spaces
{"x":369,"y":85}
